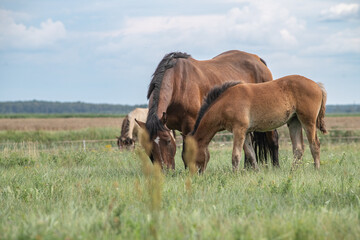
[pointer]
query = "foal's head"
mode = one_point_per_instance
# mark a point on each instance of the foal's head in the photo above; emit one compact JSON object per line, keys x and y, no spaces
{"x":163,"y":146}
{"x":196,"y":155}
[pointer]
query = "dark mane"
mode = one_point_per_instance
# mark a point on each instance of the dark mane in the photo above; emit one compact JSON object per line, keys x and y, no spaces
{"x":153,"y":123}
{"x":209,"y":99}
{"x":125,"y":127}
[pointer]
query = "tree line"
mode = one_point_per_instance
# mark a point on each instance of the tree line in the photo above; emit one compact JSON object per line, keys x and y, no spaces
{"x":47,"y":107}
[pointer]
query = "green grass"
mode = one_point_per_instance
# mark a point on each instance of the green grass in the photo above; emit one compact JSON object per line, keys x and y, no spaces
{"x":43,"y":136}
{"x":103,"y":193}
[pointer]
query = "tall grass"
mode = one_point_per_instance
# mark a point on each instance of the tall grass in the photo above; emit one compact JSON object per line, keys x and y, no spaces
{"x":108,"y":194}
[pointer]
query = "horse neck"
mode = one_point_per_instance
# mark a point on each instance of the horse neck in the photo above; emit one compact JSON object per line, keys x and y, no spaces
{"x":208,"y":127}
{"x":125,"y":127}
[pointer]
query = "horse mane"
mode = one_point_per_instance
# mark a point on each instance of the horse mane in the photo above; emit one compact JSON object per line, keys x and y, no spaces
{"x":125,"y":127}
{"x":153,"y":124}
{"x":211,"y":97}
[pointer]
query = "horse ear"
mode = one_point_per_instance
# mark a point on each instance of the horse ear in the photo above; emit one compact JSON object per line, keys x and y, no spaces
{"x":164,"y":118}
{"x":141,"y":124}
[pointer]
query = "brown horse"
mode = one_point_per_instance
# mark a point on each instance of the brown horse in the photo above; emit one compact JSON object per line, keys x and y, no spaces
{"x":179,"y":86}
{"x":244,"y":108}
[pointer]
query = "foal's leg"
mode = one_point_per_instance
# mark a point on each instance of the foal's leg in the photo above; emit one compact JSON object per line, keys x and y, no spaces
{"x":249,"y":151}
{"x":295,"y":130}
{"x":314,"y":143}
{"x":239,"y":139}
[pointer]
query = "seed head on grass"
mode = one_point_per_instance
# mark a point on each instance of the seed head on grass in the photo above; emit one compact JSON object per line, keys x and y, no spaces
{"x":144,"y":140}
{"x":153,"y":182}
{"x":190,"y":153}
{"x":143,"y":156}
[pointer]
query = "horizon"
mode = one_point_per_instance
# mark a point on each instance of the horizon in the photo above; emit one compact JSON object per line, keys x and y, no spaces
{"x":106,"y":52}
{"x":104,"y":103}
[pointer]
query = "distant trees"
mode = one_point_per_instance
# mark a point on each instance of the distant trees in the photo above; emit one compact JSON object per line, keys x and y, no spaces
{"x":64,"y":107}
{"x":46,"y":107}
{"x":349,"y":108}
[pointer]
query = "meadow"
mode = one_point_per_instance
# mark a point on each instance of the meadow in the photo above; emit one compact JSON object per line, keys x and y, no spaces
{"x":63,"y":192}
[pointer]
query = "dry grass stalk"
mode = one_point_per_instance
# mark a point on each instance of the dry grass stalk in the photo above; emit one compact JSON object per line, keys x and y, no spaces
{"x":190,"y":154}
{"x":154,"y":179}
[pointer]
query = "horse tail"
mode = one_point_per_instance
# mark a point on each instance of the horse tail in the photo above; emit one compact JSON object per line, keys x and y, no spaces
{"x":125,"y":127}
{"x":320,"y":121}
{"x":261,"y":147}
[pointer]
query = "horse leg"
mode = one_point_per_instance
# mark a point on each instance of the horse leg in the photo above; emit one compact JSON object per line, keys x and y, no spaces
{"x":239,"y":139}
{"x":247,"y":158}
{"x":249,"y":151}
{"x":183,"y":153}
{"x":273,"y":141}
{"x":295,"y":130}
{"x":314,"y":143}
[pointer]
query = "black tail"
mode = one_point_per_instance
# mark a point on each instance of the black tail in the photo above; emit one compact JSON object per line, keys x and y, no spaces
{"x":264,"y":147}
{"x":261,"y":147}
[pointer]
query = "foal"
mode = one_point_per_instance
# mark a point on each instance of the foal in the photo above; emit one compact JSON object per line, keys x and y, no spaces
{"x":244,"y":108}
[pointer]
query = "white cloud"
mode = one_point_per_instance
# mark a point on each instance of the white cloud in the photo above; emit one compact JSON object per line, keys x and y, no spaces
{"x":18,"y":35}
{"x":254,"y":23}
{"x":341,"y":11}
{"x":288,"y":37}
{"x":345,"y":41}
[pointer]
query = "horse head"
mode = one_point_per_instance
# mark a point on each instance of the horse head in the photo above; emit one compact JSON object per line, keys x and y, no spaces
{"x":123,"y":142}
{"x":163,"y":146}
{"x":195,"y":156}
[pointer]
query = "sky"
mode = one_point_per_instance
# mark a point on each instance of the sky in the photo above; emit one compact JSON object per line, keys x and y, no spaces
{"x":107,"y":51}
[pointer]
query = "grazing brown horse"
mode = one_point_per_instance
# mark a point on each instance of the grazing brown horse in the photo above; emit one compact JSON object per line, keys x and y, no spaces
{"x":179,"y":86}
{"x":129,"y":128}
{"x":243,"y":108}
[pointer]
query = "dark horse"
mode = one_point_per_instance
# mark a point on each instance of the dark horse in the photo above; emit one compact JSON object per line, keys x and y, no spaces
{"x":178,"y":88}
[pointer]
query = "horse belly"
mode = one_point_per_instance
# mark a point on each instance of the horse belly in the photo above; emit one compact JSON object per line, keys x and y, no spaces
{"x":270,"y":118}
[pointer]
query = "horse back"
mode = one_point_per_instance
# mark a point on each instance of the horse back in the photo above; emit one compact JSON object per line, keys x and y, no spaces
{"x":186,"y":84}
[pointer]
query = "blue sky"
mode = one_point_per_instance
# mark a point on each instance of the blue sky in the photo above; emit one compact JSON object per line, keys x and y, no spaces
{"x":106,"y":51}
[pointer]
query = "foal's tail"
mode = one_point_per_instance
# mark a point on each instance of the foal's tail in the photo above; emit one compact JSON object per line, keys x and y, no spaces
{"x":320,"y":121}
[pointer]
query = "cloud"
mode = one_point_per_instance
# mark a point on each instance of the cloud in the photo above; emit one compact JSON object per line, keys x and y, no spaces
{"x":18,"y":35}
{"x":288,"y":37}
{"x":254,"y":23}
{"x":346,"y":41}
{"x":341,"y":11}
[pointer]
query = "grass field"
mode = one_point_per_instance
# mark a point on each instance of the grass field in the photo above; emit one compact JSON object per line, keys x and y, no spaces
{"x":64,"y":192}
{"x":105,"y":193}
{"x":50,"y":130}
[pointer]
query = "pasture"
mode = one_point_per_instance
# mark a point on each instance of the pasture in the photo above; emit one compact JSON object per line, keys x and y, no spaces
{"x":60,"y":191}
